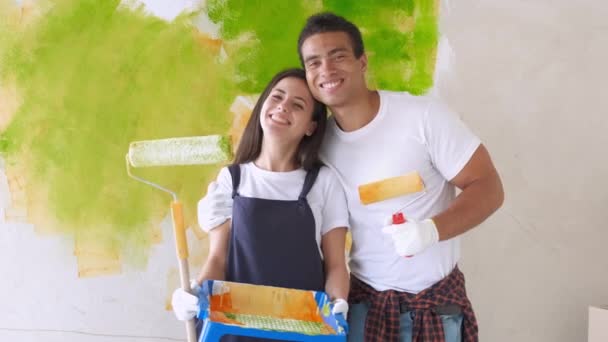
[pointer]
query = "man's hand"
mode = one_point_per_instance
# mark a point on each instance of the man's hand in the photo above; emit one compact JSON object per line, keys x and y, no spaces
{"x":411,"y":237}
{"x":215,"y":208}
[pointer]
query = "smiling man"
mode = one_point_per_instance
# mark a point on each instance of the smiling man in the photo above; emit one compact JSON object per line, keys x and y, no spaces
{"x":374,"y":135}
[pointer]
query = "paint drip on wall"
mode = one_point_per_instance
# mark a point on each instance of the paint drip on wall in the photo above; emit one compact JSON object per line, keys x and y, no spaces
{"x":80,"y":79}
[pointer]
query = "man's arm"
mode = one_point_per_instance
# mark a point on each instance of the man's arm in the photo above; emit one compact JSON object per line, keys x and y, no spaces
{"x":481,"y":195}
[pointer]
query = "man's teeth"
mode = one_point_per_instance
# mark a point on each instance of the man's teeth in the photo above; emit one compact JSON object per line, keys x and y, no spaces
{"x":330,"y":85}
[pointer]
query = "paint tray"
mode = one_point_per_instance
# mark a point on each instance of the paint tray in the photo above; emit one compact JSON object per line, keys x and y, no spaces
{"x":229,"y":308}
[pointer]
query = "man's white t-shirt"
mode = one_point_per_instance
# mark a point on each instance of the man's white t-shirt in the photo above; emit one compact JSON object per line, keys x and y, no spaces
{"x":326,"y":197}
{"x":408,"y":134}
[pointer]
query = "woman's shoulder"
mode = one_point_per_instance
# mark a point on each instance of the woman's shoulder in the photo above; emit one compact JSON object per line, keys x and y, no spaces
{"x":226,"y":172}
{"x":224,"y":178}
{"x":327,"y":176}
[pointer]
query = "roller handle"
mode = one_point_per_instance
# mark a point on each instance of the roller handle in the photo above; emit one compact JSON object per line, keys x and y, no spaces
{"x":181,"y":246}
{"x":399,"y":218}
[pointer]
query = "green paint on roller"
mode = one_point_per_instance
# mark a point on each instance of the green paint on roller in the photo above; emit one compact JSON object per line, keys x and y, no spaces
{"x":93,"y":77}
{"x":203,"y":150}
{"x":225,"y":145}
{"x":282,"y":324}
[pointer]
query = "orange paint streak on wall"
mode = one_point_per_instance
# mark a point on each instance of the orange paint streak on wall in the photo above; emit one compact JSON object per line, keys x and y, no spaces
{"x":95,"y":258}
{"x":241,"y":110}
{"x":214,"y":45}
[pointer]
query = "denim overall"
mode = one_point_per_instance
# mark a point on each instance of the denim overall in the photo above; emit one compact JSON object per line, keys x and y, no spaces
{"x":272,"y":242}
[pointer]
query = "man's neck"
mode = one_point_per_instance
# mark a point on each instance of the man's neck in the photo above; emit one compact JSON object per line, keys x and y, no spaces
{"x":357,"y":113}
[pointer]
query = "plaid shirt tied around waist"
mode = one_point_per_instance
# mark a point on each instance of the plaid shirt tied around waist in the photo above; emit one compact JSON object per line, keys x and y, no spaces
{"x":382,"y":321}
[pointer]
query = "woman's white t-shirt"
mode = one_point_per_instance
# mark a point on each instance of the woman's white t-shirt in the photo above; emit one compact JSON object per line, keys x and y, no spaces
{"x":326,"y":197}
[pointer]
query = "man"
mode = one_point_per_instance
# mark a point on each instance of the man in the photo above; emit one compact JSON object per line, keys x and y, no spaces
{"x":375,"y":135}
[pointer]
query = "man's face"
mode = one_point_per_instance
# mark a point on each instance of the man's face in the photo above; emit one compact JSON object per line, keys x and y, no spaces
{"x":334,"y":75}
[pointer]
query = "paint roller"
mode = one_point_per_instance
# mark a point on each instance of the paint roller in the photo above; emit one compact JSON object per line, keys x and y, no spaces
{"x":388,"y":188}
{"x":199,"y":150}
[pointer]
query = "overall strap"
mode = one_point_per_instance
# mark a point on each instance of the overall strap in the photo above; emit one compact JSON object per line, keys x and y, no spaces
{"x":309,"y":181}
{"x":235,"y":172}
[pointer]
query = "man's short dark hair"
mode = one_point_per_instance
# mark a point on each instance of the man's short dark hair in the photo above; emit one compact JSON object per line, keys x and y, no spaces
{"x":330,"y":22}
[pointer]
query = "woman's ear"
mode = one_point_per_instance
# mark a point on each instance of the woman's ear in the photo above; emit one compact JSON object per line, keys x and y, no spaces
{"x":311,"y":128}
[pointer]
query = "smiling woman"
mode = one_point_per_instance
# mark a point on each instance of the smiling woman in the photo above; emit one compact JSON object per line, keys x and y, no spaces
{"x":287,"y":225}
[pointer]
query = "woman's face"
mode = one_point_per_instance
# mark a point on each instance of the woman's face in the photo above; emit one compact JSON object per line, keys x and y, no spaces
{"x":287,"y":111}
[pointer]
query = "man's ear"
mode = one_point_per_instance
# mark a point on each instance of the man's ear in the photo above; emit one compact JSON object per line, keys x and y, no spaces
{"x":363,"y":60}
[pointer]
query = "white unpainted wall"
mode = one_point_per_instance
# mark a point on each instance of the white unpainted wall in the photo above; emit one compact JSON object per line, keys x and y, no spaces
{"x":530,"y":79}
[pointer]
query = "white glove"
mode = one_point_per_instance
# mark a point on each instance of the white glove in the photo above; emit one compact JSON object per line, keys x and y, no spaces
{"x":412,"y":237}
{"x":215,"y":208}
{"x":185,"y":305}
{"x":340,"y":306}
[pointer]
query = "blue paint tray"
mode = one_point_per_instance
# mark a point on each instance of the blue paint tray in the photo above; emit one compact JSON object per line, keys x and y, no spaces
{"x":229,"y":308}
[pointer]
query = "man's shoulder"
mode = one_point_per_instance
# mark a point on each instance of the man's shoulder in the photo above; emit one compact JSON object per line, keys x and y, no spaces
{"x":405,"y":98}
{"x":400,"y":108}
{"x":408,"y":106}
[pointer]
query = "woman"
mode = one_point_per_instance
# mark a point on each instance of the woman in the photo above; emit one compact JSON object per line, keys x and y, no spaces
{"x":288,"y":222}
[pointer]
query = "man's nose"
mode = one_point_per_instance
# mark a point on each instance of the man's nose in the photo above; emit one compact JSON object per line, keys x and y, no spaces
{"x":327,"y":67}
